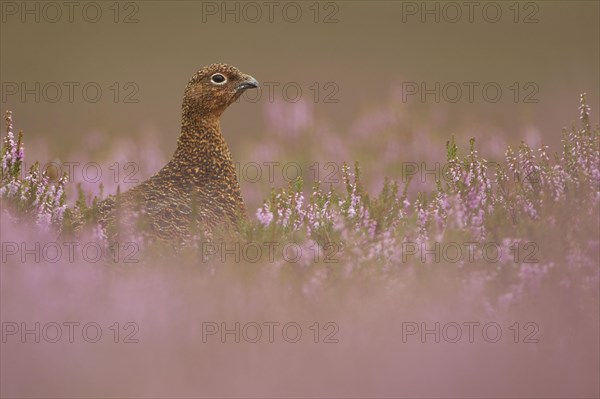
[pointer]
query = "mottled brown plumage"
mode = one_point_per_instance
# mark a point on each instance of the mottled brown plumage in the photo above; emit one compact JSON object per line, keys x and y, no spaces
{"x":198,"y":188}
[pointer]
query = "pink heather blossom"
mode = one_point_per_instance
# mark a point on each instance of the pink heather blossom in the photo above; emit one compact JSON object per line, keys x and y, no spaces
{"x":99,"y":234}
{"x":318,"y":216}
{"x":43,"y":221}
{"x":422,"y":217}
{"x":368,"y":224}
{"x":406,"y":205}
{"x":13,"y":187}
{"x":264,"y":216}
{"x":354,"y":207}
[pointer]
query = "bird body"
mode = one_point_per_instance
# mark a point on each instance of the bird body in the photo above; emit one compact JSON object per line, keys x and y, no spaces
{"x":198,"y":187}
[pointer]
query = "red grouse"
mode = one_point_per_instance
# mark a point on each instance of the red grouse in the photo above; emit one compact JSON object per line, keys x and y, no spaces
{"x":198,"y":188}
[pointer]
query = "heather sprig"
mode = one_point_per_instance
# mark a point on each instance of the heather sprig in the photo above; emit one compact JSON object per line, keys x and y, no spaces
{"x":12,"y":159}
{"x":33,"y":195}
{"x":285,"y":208}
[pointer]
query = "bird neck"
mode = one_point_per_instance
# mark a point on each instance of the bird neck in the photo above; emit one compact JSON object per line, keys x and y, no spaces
{"x":202,"y":153}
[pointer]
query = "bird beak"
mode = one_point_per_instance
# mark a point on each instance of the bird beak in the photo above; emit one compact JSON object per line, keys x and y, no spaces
{"x":248,"y":83}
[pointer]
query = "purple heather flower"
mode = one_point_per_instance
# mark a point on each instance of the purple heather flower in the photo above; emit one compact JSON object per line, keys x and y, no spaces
{"x":43,"y":221}
{"x":99,"y":234}
{"x":264,"y":216}
{"x":13,"y":188}
{"x":354,"y":204}
{"x":422,"y":217}
{"x":528,"y":208}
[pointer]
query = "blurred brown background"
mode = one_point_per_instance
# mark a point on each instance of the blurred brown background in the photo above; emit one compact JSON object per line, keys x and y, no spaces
{"x":367,"y":52}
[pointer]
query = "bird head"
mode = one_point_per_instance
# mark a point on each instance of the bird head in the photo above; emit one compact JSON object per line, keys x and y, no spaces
{"x":213,"y":88}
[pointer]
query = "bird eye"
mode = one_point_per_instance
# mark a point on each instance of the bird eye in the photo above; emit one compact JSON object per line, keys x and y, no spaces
{"x":218,"y":79}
